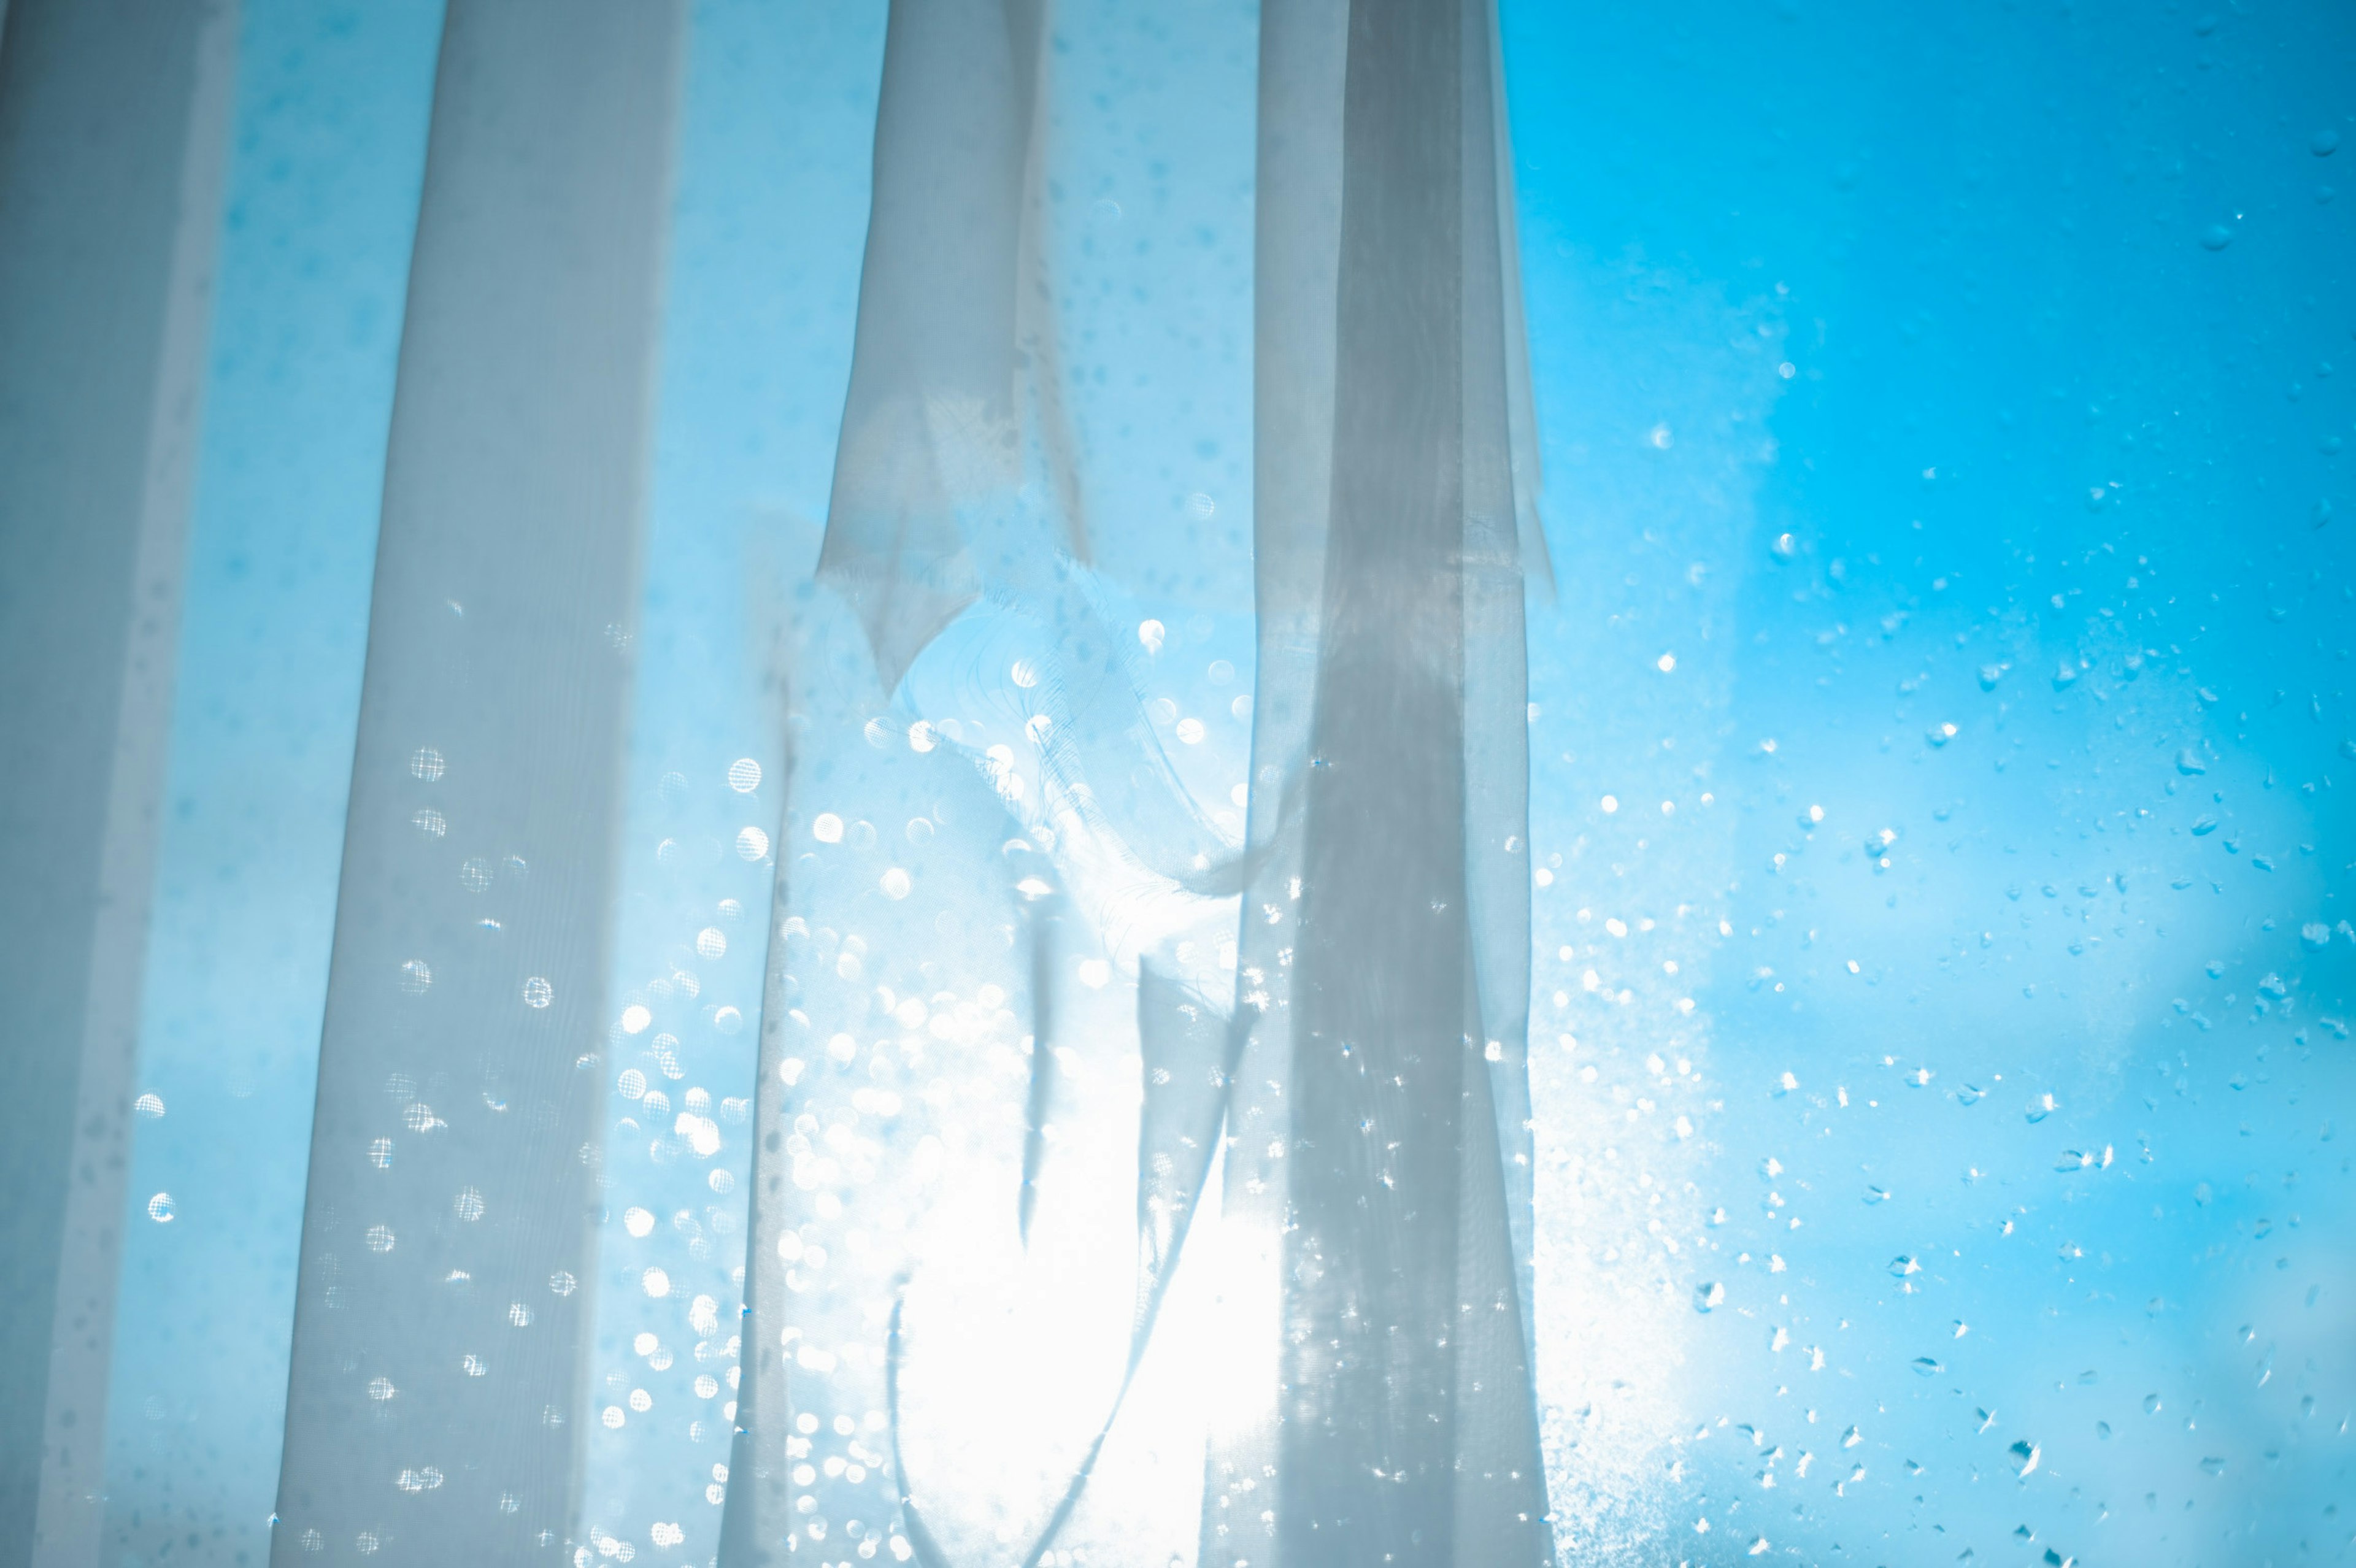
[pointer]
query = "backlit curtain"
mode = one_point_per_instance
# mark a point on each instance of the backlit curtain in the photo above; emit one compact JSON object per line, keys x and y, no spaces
{"x":1079,"y":1007}
{"x":1321,"y":1017}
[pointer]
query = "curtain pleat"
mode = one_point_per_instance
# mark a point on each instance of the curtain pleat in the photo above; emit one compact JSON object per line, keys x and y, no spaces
{"x":1365,"y":1051}
{"x":1303,"y":64}
{"x":932,"y":424}
{"x":1408,"y":1430}
{"x":1381,"y":1122}
{"x":439,"y":1342}
{"x":113,"y":122}
{"x":959,"y":493}
{"x":932,"y":433}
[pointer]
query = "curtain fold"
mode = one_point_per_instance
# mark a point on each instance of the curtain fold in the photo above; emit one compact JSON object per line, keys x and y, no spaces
{"x":1365,"y":1047}
{"x":1380,"y":1116}
{"x":433,"y":1411}
{"x":113,"y":122}
{"x":1408,"y":1427}
{"x":957,"y":539}
{"x":949,"y":352}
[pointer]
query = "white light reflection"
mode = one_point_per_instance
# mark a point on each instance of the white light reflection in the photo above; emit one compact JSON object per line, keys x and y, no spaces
{"x":1029,"y":1346}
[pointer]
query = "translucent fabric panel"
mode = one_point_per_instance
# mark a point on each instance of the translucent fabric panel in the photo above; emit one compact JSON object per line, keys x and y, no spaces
{"x":325,"y":157}
{"x":440,"y":1320}
{"x":777,"y":106}
{"x":894,"y":850}
{"x":113,"y":123}
{"x":1002,"y":1040}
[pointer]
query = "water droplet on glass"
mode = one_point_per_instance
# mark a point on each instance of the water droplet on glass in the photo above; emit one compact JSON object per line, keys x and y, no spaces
{"x":159,"y":1209}
{"x":538,"y":992}
{"x":743,"y":775}
{"x":2216,"y":237}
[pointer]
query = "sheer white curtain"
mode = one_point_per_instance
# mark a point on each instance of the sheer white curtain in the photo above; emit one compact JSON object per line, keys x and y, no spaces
{"x":439,"y":1345}
{"x":111,"y":127}
{"x":1140,"y":1150}
{"x":994,"y":1062}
